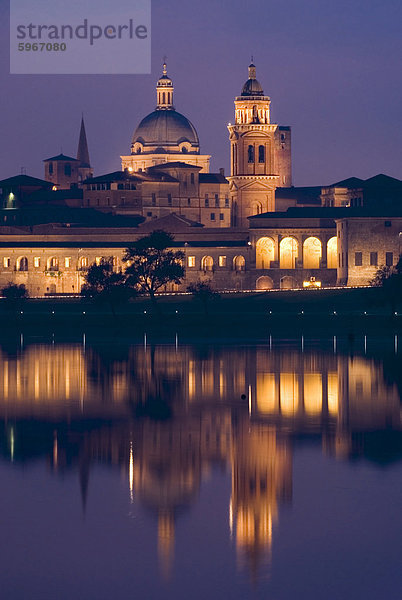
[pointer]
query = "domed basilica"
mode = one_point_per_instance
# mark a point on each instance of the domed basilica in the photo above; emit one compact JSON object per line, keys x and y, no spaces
{"x":165,"y":135}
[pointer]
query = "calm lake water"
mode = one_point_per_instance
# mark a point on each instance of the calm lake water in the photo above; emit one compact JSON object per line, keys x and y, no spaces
{"x":205,"y":470}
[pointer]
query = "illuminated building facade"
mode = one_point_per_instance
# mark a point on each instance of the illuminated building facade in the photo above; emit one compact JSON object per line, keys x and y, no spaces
{"x":250,"y":231}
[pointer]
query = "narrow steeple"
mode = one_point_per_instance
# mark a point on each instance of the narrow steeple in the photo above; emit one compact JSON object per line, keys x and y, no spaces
{"x":83,"y":153}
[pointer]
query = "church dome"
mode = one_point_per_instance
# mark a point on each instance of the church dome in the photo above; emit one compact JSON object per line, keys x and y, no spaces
{"x":252,"y":87}
{"x":166,"y":129}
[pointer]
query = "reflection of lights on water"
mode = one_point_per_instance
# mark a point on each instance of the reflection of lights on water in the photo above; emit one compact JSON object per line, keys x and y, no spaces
{"x":231,"y":517}
{"x":249,"y":399}
{"x":365,"y":344}
{"x":55,"y":450}
{"x":396,"y":344}
{"x":12,"y":444}
{"x":131,"y":472}
{"x":334,"y":344}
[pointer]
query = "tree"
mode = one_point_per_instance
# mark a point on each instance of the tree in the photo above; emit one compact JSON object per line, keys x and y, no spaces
{"x":14,"y":295}
{"x":152,"y":264}
{"x":390,"y":280}
{"x":202,"y":291}
{"x":105,"y":286}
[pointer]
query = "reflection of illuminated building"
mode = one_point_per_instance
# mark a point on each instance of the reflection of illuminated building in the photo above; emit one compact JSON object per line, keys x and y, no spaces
{"x":84,"y":402}
{"x":261,"y":479}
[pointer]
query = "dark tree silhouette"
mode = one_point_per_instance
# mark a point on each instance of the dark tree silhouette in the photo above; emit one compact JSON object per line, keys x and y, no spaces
{"x":202,"y":291}
{"x":152,"y":264}
{"x":390,"y":280}
{"x":104,"y":286}
{"x":15,"y":295}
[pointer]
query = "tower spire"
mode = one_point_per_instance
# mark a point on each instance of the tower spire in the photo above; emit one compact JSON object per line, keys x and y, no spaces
{"x":83,"y":153}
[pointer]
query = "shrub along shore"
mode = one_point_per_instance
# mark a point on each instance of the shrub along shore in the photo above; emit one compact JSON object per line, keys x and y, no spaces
{"x":322,"y":312}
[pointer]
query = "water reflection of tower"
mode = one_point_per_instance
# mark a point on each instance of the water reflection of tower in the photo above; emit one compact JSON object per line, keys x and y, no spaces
{"x":261,"y":480}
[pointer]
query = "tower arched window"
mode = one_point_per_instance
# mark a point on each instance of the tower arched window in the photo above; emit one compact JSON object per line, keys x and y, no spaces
{"x":163,"y":98}
{"x":251,"y":154}
{"x":261,"y":154}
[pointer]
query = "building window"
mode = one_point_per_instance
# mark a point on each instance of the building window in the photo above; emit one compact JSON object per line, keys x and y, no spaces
{"x":226,"y":201}
{"x":67,"y":262}
{"x":373,"y":259}
{"x":192,"y":178}
{"x":191,"y":261}
{"x":98,"y":260}
{"x":188,"y":201}
{"x":153,"y":199}
{"x":389,"y":259}
{"x":217,"y":200}
{"x":206,"y":200}
{"x":251,"y":154}
{"x":170,"y":199}
{"x":149,"y":214}
{"x":120,"y":186}
{"x":83,"y":262}
{"x":261,"y":154}
{"x":221,"y":217}
{"x":22,"y":264}
{"x":67,"y":170}
{"x":37,"y":262}
{"x":6,"y":262}
{"x":212,"y":216}
{"x":387,"y":224}
{"x":222,"y":261}
{"x":358,"y":259}
{"x":50,"y":168}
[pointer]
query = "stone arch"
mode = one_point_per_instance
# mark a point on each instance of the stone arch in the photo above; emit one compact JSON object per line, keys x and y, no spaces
{"x":22,"y":264}
{"x":288,"y":283}
{"x":312,"y":253}
{"x":265,"y":253}
{"x":52,"y":264}
{"x":264,"y":283}
{"x":288,"y":249}
{"x":239,"y":263}
{"x":207,"y":263}
{"x":332,"y":253}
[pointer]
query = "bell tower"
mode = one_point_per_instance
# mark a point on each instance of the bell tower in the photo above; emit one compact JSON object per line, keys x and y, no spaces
{"x":254,"y":176}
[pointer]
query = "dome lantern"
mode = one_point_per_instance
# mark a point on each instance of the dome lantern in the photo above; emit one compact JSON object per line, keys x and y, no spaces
{"x":164,"y":91}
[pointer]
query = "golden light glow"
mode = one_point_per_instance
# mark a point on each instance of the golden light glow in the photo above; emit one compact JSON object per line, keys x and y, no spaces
{"x":265,"y":252}
{"x":313,"y":393}
{"x":266,"y":393}
{"x":288,"y":252}
{"x":333,"y":393}
{"x":289,"y":393}
{"x":131,"y":473}
{"x":312,"y":252}
{"x":332,"y":253}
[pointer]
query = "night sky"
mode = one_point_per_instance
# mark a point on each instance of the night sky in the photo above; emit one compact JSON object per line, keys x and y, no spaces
{"x":332,"y":69}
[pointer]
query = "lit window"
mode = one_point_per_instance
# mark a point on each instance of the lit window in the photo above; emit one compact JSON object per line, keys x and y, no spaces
{"x":67,"y":262}
{"x":7,"y":262}
{"x":98,"y":260}
{"x":84,"y":262}
{"x":191,"y":261}
{"x":36,"y":262}
{"x":222,"y":261}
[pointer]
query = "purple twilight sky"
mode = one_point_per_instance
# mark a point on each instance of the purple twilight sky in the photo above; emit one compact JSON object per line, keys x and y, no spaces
{"x":332,"y":69}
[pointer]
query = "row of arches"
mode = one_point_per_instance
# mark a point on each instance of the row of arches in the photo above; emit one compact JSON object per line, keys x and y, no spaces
{"x":266,"y":283}
{"x":239,"y":263}
{"x":52,"y":263}
{"x":289,"y":251}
